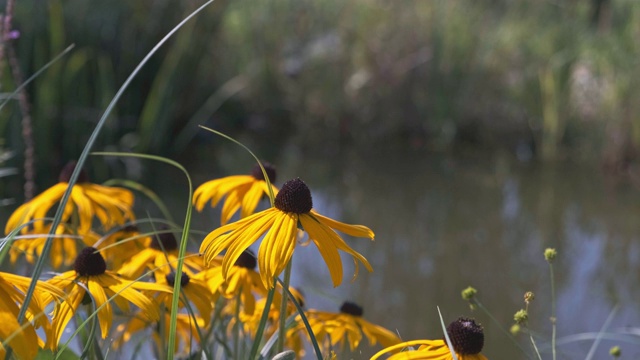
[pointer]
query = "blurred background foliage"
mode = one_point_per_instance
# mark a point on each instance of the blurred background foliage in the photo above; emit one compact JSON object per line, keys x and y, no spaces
{"x":544,"y":80}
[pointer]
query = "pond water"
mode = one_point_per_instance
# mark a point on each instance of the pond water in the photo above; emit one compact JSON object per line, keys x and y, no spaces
{"x":445,"y":222}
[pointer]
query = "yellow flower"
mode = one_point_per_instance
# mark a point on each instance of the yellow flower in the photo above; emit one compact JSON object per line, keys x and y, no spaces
{"x":111,"y":205}
{"x":186,"y":331}
{"x":293,"y":206}
{"x":117,"y":247}
{"x":467,"y":338}
{"x":242,"y":280}
{"x":24,"y":338}
{"x":195,"y":290}
{"x":64,"y":247}
{"x":161,"y":256}
{"x":251,"y":322}
{"x":243,"y":192}
{"x":90,"y":277}
{"x":348,"y":325}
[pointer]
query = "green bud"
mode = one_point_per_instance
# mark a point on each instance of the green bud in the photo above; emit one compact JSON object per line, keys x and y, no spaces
{"x":615,"y":351}
{"x":550,"y":254}
{"x":469,"y":293}
{"x":515,"y":329}
{"x":521,"y":316}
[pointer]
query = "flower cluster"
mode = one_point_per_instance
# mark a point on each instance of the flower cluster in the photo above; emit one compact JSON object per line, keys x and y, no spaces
{"x":121,"y":279}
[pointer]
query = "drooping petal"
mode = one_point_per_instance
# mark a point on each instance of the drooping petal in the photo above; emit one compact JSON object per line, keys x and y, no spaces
{"x":25,"y":338}
{"x":240,"y":239}
{"x":103,"y":307}
{"x":353,"y":230}
{"x":84,"y":207}
{"x":375,"y":333}
{"x":277,"y":247}
{"x":127,"y":290}
{"x":326,"y":245}
{"x":215,"y":190}
{"x":231,"y":205}
{"x":251,"y":199}
{"x":63,"y":314}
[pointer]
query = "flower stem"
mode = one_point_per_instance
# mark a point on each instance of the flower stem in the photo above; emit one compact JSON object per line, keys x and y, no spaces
{"x":486,"y":311}
{"x":236,"y":327}
{"x":533,"y":342}
{"x":553,"y":312}
{"x":283,"y":308}
{"x":263,"y":321}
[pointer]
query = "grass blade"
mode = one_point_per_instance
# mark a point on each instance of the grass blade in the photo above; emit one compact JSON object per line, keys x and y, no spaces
{"x":446,"y":336}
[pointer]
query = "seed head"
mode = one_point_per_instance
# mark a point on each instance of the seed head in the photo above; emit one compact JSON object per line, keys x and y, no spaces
{"x":294,"y":197}
{"x":257,"y":173}
{"x":351,"y":309}
{"x":467,"y":337}
{"x":67,"y":171}
{"x":89,"y":262}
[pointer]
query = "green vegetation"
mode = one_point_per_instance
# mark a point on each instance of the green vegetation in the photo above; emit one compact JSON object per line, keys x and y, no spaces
{"x":527,"y":76}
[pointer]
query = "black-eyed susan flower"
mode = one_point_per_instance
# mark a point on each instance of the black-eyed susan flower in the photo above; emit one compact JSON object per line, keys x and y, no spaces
{"x":467,"y":339}
{"x":23,"y":339}
{"x":118,"y":246}
{"x":90,"y":277}
{"x":161,"y":256}
{"x":194,"y":290}
{"x":331,"y":329}
{"x":111,"y":205}
{"x":186,"y":332}
{"x":279,"y":225}
{"x":64,"y":247}
{"x":243,"y":281}
{"x":243,"y":192}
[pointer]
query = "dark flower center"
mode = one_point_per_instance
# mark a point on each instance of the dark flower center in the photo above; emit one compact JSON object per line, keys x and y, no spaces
{"x":351,"y":309}
{"x":89,"y":262}
{"x":294,"y":197}
{"x":164,"y":242}
{"x":268,"y":168}
{"x":184,"y":279}
{"x":67,"y":170}
{"x":247,"y":260}
{"x":466,"y":336}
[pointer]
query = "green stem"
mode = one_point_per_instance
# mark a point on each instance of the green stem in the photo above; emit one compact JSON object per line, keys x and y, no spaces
{"x":283,"y":309}
{"x":263,"y":321}
{"x":535,"y":348}
{"x":553,"y":312}
{"x":476,"y":302}
{"x":533,"y":342}
{"x":236,"y":326}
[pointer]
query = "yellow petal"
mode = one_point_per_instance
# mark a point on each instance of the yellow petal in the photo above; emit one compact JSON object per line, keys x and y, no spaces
{"x":125,"y":289}
{"x":251,"y":199}
{"x":353,"y":230}
{"x":105,"y":314}
{"x":277,"y":247}
{"x":63,"y":314}
{"x":326,"y":245}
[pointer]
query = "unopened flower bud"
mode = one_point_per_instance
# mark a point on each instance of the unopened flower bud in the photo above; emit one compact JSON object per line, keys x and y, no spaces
{"x":469,"y":293}
{"x":521,"y":316}
{"x":615,"y":351}
{"x":550,"y":254}
{"x":528,"y":297}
